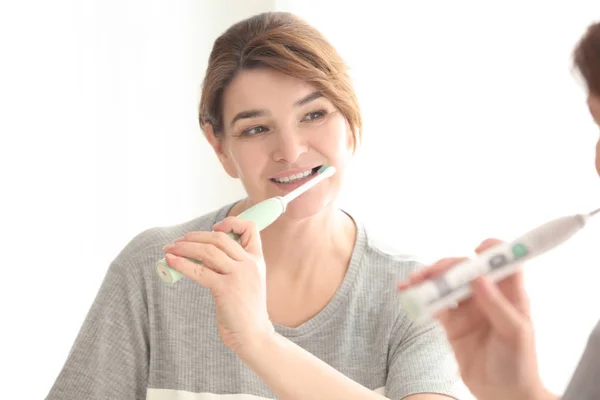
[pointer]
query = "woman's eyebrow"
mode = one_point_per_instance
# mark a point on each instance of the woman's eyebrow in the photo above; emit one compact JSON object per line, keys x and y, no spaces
{"x":249,"y":114}
{"x":264,"y":113}
{"x":311,"y":97}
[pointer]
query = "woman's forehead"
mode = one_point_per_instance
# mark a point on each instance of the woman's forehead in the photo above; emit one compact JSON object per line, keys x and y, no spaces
{"x":264,"y":88}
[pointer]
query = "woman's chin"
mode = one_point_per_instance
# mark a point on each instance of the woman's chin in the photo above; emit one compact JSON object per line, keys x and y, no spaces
{"x":302,"y":208}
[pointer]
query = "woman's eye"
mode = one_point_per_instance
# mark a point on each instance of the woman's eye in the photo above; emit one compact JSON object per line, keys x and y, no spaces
{"x":254,"y":131}
{"x":311,"y":116}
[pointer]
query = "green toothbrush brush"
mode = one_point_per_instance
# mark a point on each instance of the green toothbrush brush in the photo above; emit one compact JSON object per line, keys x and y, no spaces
{"x":262,"y":214}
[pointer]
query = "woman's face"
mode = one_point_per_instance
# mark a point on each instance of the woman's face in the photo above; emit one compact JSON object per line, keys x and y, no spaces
{"x":277,"y":131}
{"x":594,"y":104}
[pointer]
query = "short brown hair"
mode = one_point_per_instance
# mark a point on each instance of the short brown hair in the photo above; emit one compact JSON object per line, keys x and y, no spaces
{"x":285,"y":43}
{"x":587,"y":58}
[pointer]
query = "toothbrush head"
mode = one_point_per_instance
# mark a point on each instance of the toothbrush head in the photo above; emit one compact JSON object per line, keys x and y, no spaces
{"x":328,"y":170}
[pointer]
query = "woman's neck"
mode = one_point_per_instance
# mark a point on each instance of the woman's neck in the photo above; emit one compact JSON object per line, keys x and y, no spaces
{"x":292,"y":245}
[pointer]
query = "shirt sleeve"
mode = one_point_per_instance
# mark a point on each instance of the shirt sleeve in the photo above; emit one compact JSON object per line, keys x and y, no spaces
{"x":584,"y":384}
{"x":109,"y":359}
{"x":420,"y":361}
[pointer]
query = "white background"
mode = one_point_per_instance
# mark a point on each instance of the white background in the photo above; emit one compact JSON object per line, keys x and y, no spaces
{"x":475,"y":126}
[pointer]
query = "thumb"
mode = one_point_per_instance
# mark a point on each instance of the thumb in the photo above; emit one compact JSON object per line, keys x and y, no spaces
{"x":501,"y":314}
{"x":249,"y":237}
{"x":487,"y":244}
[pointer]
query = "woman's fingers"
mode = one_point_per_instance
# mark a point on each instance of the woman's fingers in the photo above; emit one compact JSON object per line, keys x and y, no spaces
{"x":502,"y":315}
{"x":210,"y":255}
{"x":247,"y":232}
{"x":221,"y":240}
{"x":198,"y":272}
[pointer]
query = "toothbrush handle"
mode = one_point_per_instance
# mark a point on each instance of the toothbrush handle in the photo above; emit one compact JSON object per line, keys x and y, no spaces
{"x":422,"y":301}
{"x":262,"y":214}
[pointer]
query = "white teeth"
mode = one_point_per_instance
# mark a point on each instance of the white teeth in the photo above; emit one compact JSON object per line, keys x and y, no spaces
{"x":293,"y":178}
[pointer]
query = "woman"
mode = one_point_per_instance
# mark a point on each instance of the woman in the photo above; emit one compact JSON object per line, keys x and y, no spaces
{"x":304,"y":309}
{"x":491,"y":333}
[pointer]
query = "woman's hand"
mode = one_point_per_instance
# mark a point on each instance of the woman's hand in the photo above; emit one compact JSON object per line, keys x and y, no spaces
{"x":234,"y":273}
{"x":492,"y":335}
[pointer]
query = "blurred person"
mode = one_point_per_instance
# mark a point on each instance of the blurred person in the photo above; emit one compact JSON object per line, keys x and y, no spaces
{"x":491,"y":333}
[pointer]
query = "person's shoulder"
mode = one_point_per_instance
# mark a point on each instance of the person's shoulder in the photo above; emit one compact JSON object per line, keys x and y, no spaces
{"x":385,"y":257}
{"x":155,"y":238}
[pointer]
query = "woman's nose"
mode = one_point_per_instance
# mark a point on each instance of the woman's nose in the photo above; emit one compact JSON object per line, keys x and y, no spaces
{"x":290,"y":146}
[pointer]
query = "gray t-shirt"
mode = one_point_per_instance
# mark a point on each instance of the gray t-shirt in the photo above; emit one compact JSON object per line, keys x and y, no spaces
{"x":143,"y":339}
{"x":585,"y":384}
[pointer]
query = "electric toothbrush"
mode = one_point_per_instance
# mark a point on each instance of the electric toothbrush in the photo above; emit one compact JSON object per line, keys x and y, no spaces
{"x":262,"y":214}
{"x":422,"y":301}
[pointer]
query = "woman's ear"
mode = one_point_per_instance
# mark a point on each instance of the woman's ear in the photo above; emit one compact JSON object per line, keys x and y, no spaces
{"x":217,"y":143}
{"x":209,"y":134}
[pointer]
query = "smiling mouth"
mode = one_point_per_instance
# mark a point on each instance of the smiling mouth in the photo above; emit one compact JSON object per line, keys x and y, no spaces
{"x":296,"y":177}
